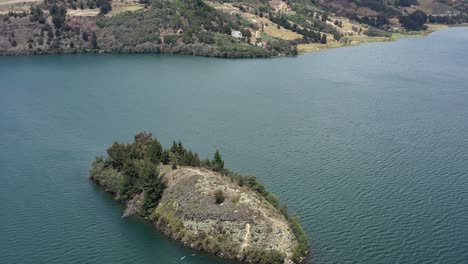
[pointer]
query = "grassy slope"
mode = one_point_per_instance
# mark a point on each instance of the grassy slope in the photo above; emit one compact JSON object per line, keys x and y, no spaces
{"x":349,"y":37}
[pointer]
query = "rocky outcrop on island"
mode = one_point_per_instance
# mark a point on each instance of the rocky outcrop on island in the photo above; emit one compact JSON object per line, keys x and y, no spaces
{"x":200,"y":203}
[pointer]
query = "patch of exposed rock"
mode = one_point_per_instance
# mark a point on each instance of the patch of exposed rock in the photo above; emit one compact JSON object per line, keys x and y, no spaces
{"x":133,"y":206}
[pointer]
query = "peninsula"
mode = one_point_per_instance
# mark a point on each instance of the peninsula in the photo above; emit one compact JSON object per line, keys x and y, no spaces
{"x":215,"y":28}
{"x":199,"y":202}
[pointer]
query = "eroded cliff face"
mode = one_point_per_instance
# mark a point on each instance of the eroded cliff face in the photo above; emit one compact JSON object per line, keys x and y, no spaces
{"x":243,"y":226}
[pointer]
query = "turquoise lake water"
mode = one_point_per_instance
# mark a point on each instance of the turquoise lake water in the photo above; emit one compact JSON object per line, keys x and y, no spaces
{"x":367,"y":144}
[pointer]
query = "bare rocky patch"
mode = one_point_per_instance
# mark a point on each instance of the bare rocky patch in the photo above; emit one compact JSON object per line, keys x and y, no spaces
{"x":249,"y":221}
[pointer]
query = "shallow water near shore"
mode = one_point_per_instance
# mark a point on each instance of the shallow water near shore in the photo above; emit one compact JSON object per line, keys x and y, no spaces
{"x":367,"y":144}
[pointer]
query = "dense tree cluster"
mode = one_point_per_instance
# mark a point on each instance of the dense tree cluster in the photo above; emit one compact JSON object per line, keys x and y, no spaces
{"x":407,"y":3}
{"x":37,"y":15}
{"x":137,"y":164}
{"x":379,"y":21}
{"x":375,"y":32}
{"x":58,"y":13}
{"x":105,"y":6}
{"x":133,"y":168}
{"x":414,"y":21}
{"x":449,"y":19}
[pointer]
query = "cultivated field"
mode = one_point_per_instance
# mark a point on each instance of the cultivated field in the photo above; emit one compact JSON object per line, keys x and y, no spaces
{"x":269,"y":28}
{"x":16,"y":5}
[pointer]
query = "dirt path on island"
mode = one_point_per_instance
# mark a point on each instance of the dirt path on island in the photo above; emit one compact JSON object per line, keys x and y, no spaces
{"x":246,"y":241}
{"x":280,"y":225}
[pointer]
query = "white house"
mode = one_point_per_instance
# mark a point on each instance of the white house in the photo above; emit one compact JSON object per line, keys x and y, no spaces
{"x":237,"y":34}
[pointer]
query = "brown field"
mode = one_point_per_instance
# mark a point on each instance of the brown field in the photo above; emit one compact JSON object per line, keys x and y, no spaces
{"x":431,"y":7}
{"x":83,"y":12}
{"x":312,"y":47}
{"x":24,"y":5}
{"x":270,"y":28}
{"x":16,"y":5}
{"x":119,"y":7}
{"x":279,"y":5}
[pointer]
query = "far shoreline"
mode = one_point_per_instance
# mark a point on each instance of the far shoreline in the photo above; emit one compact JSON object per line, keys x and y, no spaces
{"x":302,"y":48}
{"x":312,"y":48}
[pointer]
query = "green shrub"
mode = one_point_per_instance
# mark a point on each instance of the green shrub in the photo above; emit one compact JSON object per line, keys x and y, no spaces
{"x":219,"y":196}
{"x":301,"y":248}
{"x":375,"y":32}
{"x":264,"y":256}
{"x":110,"y":178}
{"x":235,"y":199}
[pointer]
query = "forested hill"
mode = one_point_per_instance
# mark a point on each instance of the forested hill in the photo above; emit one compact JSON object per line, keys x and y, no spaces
{"x":247,"y":28}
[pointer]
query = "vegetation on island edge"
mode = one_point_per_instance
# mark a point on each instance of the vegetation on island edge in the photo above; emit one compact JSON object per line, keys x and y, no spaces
{"x":132,"y":169}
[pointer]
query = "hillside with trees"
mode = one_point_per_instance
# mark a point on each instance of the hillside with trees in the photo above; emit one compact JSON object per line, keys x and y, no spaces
{"x":217,"y":28}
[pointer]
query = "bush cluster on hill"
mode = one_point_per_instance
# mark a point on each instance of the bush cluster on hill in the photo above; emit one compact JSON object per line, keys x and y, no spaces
{"x":414,"y":21}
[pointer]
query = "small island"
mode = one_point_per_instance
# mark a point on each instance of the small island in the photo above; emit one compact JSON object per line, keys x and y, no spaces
{"x":199,"y":202}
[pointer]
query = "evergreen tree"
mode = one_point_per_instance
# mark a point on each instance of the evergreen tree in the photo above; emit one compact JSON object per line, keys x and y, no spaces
{"x":188,"y":158}
{"x":130,"y":170}
{"x":94,"y":41}
{"x":154,"y":150}
{"x":105,"y":6}
{"x":180,"y":148}
{"x":58,"y":15}
{"x":117,"y":155}
{"x":196,"y":160}
{"x":37,"y":15}
{"x":217,"y":163}
{"x":323,"y":40}
{"x":153,"y":187}
{"x":174,"y":149}
{"x":165,"y":159}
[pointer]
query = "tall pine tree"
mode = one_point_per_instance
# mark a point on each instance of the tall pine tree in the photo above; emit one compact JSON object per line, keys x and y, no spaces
{"x":217,"y":163}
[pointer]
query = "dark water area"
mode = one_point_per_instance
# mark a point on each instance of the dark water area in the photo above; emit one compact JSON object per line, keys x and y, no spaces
{"x":367,"y":144}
